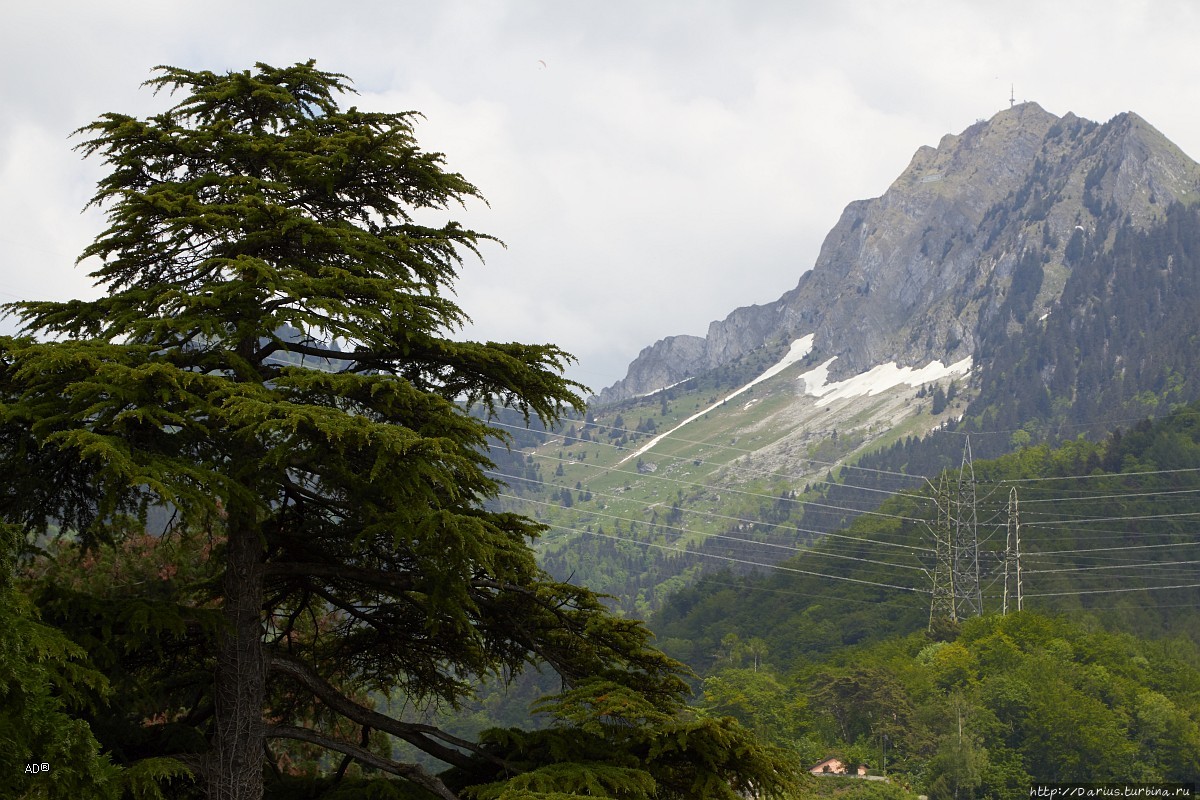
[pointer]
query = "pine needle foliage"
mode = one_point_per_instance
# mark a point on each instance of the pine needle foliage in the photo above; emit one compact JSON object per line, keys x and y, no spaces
{"x":42,"y":676}
{"x":274,"y":363}
{"x":609,"y":740}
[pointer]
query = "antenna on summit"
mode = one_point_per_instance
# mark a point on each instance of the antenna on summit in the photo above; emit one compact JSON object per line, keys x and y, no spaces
{"x":1012,"y":96}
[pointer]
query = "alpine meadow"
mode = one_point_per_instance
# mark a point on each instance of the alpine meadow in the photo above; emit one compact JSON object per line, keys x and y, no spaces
{"x":244,"y":492}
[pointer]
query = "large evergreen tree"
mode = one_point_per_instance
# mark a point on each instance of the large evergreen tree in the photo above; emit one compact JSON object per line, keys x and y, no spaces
{"x":272,"y":366}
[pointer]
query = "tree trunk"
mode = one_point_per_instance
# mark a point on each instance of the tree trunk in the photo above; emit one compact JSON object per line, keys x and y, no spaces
{"x":235,"y":768}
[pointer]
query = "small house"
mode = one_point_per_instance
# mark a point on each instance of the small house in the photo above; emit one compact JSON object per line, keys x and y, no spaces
{"x":835,"y":766}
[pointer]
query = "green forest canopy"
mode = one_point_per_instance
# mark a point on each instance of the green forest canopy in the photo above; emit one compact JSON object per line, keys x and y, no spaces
{"x":1107,"y":690}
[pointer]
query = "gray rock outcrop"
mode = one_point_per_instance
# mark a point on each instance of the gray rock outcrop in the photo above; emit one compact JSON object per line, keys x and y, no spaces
{"x":908,"y":277}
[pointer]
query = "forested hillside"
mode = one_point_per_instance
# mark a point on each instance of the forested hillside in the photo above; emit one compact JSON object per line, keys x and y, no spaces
{"x":739,"y":485}
{"x":1106,"y":528}
{"x":1000,"y":703}
{"x":1096,"y":679}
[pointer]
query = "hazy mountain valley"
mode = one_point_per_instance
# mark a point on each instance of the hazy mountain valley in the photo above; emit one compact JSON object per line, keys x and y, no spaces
{"x":1030,"y":280}
{"x":981,"y":348}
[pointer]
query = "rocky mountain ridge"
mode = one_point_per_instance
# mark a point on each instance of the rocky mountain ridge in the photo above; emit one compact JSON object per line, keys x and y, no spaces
{"x":922,"y":272}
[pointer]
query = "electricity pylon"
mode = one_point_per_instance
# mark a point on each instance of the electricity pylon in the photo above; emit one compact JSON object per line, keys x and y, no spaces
{"x":956,"y":588}
{"x":968,"y":599}
{"x":943,"y":569}
{"x":1012,"y":549}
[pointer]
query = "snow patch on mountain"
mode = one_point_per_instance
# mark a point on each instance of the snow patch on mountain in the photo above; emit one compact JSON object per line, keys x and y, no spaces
{"x":876,"y":380}
{"x":799,"y":349}
{"x":663,"y":389}
{"x":816,"y":383}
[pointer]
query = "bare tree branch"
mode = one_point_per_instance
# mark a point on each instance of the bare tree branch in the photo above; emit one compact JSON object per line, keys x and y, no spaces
{"x":420,"y":736}
{"x":390,"y":581}
{"x":413,"y":772}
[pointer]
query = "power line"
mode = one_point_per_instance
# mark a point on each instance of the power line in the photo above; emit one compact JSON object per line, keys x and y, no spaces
{"x":760,"y":495}
{"x":1109,"y":591}
{"x":684,"y":531}
{"x":751,"y":588}
{"x":1034,"y":554}
{"x":967,"y":550}
{"x":1114,"y":566}
{"x":1103,"y":534}
{"x":714,"y":515}
{"x":1058,"y":523}
{"x":777,"y":567}
{"x":1044,"y":524}
{"x":732,"y":465}
{"x":1101,"y":475}
{"x":1140,"y":518}
{"x":1126,"y":496}
{"x":1107,"y":549}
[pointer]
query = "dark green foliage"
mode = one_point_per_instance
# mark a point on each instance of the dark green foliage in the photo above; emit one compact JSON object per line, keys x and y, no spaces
{"x":49,"y":687}
{"x":662,"y":754}
{"x":273,"y":367}
{"x":1026,"y":281}
{"x":981,"y":708}
{"x":1119,"y":345}
{"x":938,"y":404}
{"x":1011,"y":700}
{"x":44,"y":677}
{"x":856,"y":790}
{"x":635,"y":574}
{"x":137,"y":609}
{"x":379,"y":788}
{"x":801,"y":614}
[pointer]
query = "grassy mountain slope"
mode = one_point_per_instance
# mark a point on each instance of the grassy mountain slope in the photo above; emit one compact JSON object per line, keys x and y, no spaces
{"x":726,"y":490}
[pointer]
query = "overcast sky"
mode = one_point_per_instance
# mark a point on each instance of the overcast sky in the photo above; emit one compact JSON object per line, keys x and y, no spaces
{"x":650,"y":165}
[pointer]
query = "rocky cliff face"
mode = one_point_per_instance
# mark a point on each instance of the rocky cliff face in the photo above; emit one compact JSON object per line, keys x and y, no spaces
{"x":922,"y":272}
{"x":667,"y":362}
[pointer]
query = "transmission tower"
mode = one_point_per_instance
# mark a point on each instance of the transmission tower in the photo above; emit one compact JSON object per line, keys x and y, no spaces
{"x":943,"y":569}
{"x":1012,"y":549}
{"x":968,"y":599}
{"x":955,"y":577}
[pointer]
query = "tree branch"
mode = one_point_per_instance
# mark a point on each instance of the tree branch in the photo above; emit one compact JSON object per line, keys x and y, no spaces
{"x":301,"y":349}
{"x":420,"y":736}
{"x":390,"y":581}
{"x":413,"y":772}
{"x":349,"y":608}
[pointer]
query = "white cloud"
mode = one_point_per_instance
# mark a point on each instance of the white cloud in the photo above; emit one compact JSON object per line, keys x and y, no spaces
{"x":670,"y":162}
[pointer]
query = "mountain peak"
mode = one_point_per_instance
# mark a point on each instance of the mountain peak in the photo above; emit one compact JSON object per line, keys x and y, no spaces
{"x":988,"y":155}
{"x":909,"y":277}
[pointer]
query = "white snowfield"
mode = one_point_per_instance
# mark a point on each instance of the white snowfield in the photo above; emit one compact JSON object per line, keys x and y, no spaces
{"x":816,"y":383}
{"x":876,"y":380}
